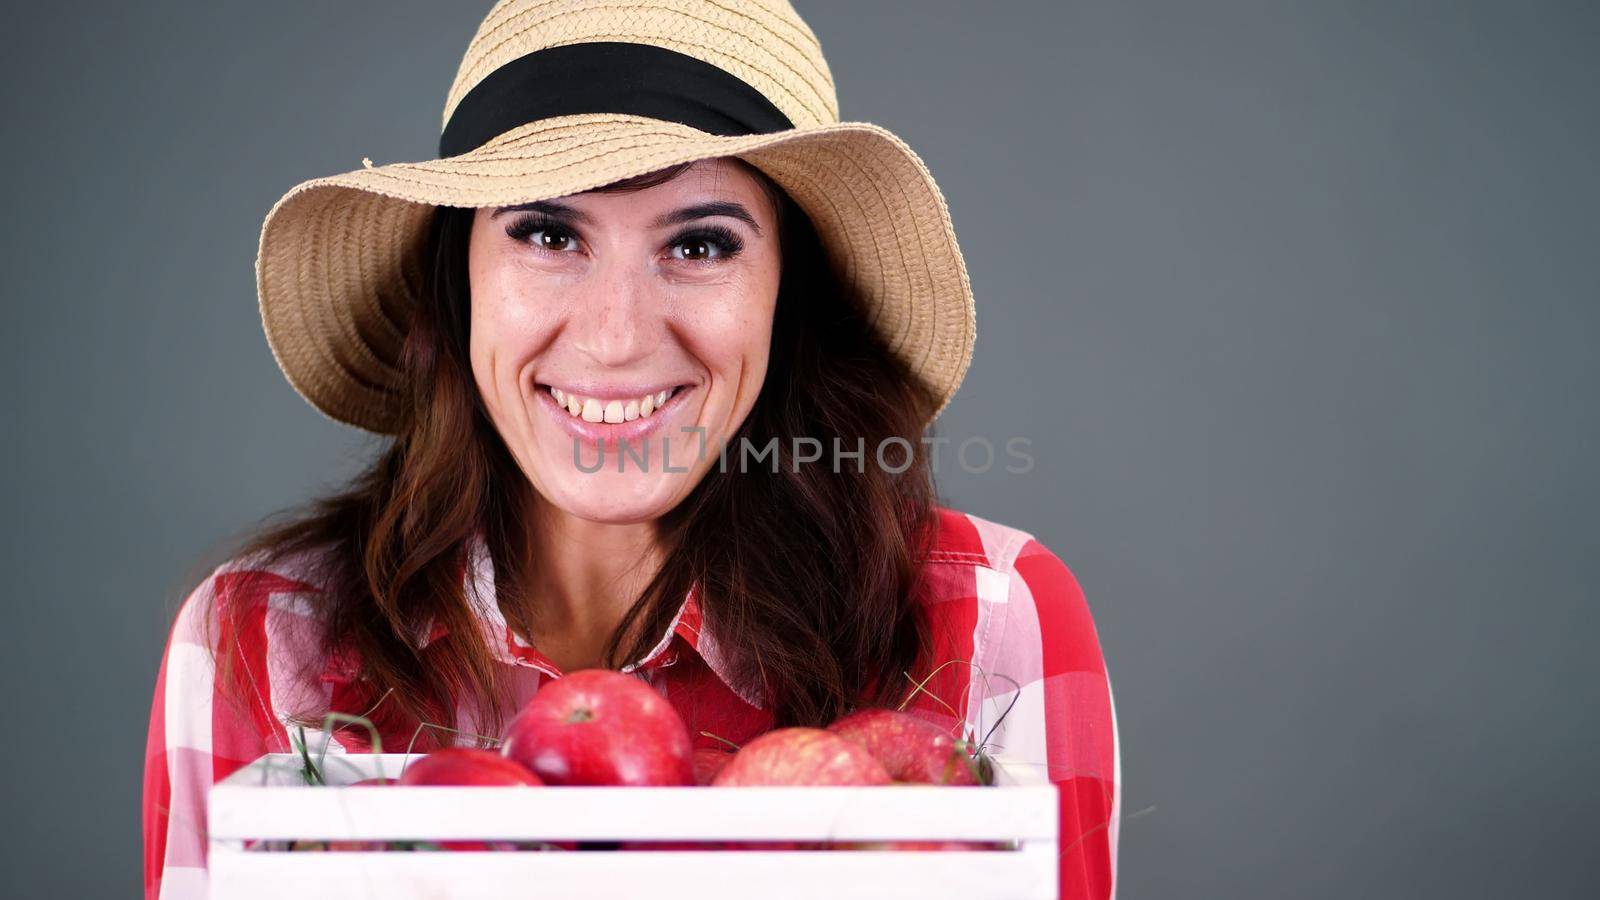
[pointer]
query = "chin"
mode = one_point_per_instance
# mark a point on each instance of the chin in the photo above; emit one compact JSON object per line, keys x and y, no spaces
{"x":616,"y":499}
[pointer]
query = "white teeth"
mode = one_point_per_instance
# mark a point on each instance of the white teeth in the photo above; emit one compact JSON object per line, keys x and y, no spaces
{"x":612,"y":411}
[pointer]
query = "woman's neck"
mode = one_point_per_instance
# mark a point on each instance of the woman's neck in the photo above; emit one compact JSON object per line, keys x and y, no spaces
{"x":583,"y":577}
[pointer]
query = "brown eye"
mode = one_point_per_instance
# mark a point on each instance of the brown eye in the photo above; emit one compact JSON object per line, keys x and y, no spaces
{"x":543,"y":234}
{"x":712,"y":243}
{"x":696,"y":249}
{"x":551,"y":239}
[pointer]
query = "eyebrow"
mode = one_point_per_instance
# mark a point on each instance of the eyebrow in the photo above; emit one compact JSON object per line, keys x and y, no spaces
{"x":552,"y":208}
{"x":558,"y":210}
{"x":708,"y":210}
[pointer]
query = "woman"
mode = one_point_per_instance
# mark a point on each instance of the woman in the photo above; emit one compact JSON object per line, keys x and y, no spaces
{"x":656,"y":339}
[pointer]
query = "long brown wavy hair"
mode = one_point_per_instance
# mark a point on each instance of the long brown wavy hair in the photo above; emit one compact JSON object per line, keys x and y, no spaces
{"x":813,"y":603}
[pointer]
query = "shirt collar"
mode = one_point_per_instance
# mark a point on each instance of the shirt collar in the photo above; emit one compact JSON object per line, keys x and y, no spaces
{"x":478,"y":584}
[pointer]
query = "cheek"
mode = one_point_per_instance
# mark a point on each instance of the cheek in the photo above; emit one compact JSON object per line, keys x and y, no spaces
{"x":507,"y":324}
{"x":496,"y":330}
{"x":733,"y":331}
{"x":731,"y":335}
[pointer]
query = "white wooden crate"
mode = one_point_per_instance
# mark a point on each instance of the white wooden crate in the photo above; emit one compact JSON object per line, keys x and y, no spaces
{"x":269,"y":800}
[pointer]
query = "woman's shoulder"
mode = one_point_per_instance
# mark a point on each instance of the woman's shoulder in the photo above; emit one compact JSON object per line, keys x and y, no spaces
{"x":964,"y":538}
{"x":250,"y":634}
{"x":250,"y":592}
{"x":1003,"y":579}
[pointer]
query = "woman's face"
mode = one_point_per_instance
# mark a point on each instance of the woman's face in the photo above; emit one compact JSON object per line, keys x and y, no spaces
{"x":639,"y":319}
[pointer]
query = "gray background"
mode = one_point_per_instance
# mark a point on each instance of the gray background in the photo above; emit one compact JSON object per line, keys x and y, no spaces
{"x":1296,"y":302}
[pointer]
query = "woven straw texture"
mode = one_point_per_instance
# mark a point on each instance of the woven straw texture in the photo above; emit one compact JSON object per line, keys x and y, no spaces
{"x":338,"y":268}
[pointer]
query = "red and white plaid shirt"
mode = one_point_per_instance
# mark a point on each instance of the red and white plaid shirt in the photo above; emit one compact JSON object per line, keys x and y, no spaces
{"x":996,"y":598}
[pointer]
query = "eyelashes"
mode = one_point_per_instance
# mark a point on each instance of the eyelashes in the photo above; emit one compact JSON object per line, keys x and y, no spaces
{"x":726,"y":241}
{"x":525,"y":227}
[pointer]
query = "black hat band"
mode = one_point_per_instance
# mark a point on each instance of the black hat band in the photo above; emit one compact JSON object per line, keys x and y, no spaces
{"x":608,"y":77}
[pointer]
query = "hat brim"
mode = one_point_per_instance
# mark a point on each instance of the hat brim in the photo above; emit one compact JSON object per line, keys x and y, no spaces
{"x":338,"y":269}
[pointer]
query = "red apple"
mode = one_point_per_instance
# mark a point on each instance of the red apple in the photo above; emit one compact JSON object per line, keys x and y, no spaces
{"x":708,"y":761}
{"x":910,"y":749}
{"x":599,"y":727}
{"x":468,"y":767}
{"x":801,"y":756}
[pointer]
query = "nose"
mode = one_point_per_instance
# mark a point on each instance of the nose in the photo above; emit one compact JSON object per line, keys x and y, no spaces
{"x":616,"y":319}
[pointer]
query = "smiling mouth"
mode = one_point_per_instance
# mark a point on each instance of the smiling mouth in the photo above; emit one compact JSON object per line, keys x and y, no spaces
{"x":614,"y":410}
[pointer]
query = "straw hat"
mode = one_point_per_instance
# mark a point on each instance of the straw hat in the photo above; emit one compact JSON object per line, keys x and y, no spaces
{"x":556,"y":98}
